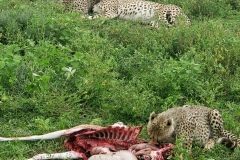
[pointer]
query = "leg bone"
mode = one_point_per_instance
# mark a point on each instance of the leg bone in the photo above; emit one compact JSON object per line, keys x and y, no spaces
{"x":52,"y":135}
{"x":64,"y":155}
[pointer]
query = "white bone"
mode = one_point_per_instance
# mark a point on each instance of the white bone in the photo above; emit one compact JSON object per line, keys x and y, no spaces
{"x":104,"y":157}
{"x":63,"y":155}
{"x":126,"y":155}
{"x":52,"y":135}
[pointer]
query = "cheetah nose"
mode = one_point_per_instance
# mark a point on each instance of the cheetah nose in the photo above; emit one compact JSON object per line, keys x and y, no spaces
{"x":159,"y":142}
{"x":154,"y":143}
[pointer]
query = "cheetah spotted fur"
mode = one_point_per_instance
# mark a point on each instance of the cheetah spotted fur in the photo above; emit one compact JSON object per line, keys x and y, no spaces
{"x":196,"y":124}
{"x":144,"y":11}
{"x":83,"y":6}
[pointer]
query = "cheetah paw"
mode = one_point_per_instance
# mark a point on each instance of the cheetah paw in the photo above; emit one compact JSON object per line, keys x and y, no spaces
{"x":209,"y":144}
{"x":90,"y":17}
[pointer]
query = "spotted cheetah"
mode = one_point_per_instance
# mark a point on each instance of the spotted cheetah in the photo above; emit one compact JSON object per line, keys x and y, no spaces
{"x":144,"y":11}
{"x":196,"y":124}
{"x":84,"y":6}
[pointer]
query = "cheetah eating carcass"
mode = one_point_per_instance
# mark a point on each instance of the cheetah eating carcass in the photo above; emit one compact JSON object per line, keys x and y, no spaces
{"x":195,"y":124}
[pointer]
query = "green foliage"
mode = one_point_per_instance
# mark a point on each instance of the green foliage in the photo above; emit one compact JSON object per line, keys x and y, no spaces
{"x":181,"y":151}
{"x":235,"y":4}
{"x":59,"y":70}
{"x":209,"y":8}
{"x":9,"y":62}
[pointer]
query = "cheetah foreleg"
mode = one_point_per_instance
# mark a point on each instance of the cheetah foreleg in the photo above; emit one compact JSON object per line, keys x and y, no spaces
{"x":154,"y":24}
{"x":189,"y":142}
{"x":107,"y":14}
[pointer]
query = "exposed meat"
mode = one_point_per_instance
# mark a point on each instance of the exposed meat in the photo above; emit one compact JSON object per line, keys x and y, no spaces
{"x":115,"y":138}
{"x":137,"y":147}
{"x":119,"y":155}
{"x":161,"y":153}
{"x":100,"y":150}
{"x":95,"y":142}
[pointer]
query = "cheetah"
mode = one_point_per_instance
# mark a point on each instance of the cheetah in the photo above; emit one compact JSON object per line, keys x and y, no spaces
{"x":83,"y":6}
{"x":195,"y":124}
{"x":145,"y":11}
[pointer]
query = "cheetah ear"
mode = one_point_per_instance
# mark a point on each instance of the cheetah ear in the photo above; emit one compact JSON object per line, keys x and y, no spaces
{"x":169,"y":122}
{"x":152,"y":116}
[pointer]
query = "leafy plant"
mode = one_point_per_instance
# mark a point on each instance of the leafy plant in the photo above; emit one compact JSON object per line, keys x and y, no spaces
{"x":180,"y":150}
{"x":9,"y":62}
{"x":69,"y":71}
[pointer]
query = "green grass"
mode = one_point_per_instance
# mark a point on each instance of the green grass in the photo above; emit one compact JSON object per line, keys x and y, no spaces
{"x":124,"y":71}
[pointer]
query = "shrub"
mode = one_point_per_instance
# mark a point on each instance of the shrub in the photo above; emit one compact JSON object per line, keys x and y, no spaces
{"x":9,"y":62}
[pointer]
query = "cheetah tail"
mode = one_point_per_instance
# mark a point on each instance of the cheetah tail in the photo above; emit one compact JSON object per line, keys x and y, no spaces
{"x":228,"y":142}
{"x":187,"y":19}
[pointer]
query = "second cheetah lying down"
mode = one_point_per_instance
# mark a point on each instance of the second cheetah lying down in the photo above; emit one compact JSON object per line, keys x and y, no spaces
{"x":144,"y":11}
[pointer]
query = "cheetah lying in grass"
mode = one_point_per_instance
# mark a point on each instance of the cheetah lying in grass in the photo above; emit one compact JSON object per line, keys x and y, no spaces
{"x":195,"y":123}
{"x":144,"y":11}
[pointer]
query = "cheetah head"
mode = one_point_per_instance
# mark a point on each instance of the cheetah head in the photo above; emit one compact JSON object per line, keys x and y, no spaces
{"x":160,"y":129}
{"x":99,"y":8}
